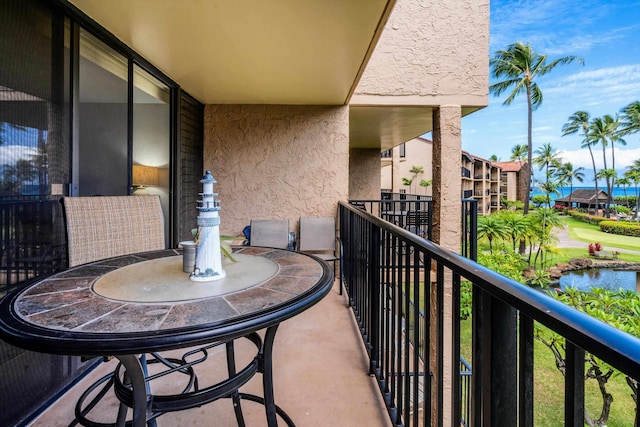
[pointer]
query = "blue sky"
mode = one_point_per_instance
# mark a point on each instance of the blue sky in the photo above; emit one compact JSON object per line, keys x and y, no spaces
{"x":606,"y":34}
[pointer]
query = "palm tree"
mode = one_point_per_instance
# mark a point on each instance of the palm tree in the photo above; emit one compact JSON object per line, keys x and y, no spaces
{"x":425,"y":183}
{"x":560,"y":180}
{"x":549,"y":188}
{"x":544,"y":221}
{"x":624,"y":182}
{"x":630,"y":119}
{"x":547,"y":158}
{"x":519,"y":153}
{"x":633,"y":172}
{"x":14,"y":176}
{"x":415,"y":170}
{"x":567,"y":173}
{"x":609,"y":175}
{"x":579,"y":121}
{"x":518,"y":67}
{"x":615,"y":136}
{"x":492,"y":227}
{"x":517,"y":226}
{"x":602,"y":130}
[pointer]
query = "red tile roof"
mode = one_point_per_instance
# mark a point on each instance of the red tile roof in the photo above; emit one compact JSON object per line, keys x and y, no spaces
{"x":509,"y":166}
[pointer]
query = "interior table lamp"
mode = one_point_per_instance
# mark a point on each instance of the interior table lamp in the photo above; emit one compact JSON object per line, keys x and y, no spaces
{"x":143,"y":176}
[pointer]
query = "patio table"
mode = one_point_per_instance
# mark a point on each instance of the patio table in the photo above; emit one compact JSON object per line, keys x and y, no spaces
{"x":145,"y":303}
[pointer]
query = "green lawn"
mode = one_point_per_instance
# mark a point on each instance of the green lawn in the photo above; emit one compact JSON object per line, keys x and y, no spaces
{"x":549,"y":382}
{"x":590,"y":233}
{"x":549,"y":388}
{"x":563,"y":255}
{"x":587,"y":233}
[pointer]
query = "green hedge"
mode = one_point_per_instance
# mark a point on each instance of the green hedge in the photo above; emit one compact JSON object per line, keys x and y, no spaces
{"x":620,"y":227}
{"x":591,"y":219}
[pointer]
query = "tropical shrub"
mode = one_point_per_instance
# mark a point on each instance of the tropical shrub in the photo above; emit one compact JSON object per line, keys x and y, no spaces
{"x":538,"y":200}
{"x":508,"y":264}
{"x":584,"y":217}
{"x":594,"y":247}
{"x":622,"y":228}
{"x":466,"y":299}
{"x":629,"y":201}
{"x":621,"y":209}
{"x":620,"y":309}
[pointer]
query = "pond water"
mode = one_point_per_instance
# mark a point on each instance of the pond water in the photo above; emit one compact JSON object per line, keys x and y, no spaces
{"x":610,"y":279}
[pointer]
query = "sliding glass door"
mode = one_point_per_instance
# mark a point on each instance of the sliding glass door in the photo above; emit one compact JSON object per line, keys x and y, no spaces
{"x":101,"y":147}
{"x":151,"y":138}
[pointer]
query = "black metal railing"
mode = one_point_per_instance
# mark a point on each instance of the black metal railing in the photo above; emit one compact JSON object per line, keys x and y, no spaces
{"x":32,"y":240}
{"x":465,"y":392}
{"x":414,"y":213}
{"x":392,"y":276}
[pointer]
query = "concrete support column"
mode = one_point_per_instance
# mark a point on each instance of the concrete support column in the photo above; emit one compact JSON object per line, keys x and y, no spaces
{"x":447,"y":184}
{"x":364,"y":174}
{"x":447,"y":192}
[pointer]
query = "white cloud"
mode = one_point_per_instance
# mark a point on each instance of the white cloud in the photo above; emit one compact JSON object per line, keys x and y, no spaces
{"x":624,"y":158}
{"x":10,"y":154}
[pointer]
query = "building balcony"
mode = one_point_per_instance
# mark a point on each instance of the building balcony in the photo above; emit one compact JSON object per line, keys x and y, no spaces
{"x":320,"y":378}
{"x":369,"y":365}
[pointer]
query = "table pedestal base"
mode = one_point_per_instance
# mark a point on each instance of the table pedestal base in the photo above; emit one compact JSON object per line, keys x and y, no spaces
{"x":131,"y":386}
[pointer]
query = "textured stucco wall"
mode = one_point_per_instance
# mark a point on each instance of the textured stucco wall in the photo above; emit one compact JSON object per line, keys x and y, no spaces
{"x":512,"y":182}
{"x":437,"y":49}
{"x":364,"y":174}
{"x":276,"y":161}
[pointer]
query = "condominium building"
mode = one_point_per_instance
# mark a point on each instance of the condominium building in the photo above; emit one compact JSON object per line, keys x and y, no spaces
{"x":512,"y":180}
{"x":481,"y":178}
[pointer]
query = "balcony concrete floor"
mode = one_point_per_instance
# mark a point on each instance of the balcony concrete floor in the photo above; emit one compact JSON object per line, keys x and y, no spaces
{"x":320,"y":379}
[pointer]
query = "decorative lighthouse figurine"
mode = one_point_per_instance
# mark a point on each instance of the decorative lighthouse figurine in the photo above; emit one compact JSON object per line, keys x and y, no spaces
{"x":208,"y":255}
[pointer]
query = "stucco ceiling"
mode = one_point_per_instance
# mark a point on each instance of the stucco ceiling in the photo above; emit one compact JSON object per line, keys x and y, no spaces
{"x":385,"y":126}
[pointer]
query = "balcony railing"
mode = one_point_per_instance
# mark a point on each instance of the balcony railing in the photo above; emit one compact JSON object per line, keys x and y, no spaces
{"x":404,"y":292}
{"x":32,"y":239}
{"x":414,"y":214}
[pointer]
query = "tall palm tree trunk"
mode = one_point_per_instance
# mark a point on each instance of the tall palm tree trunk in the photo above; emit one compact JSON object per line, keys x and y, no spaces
{"x":529,"y":150}
{"x":606,"y":180}
{"x":637,"y":200}
{"x":570,"y":192}
{"x":613,"y":166}
{"x":595,"y":171}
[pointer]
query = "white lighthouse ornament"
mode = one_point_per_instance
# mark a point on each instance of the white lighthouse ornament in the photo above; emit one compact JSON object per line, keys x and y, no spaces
{"x":208,"y":254}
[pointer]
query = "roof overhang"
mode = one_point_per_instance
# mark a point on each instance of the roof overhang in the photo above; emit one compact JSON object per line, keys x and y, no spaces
{"x":383,"y":127}
{"x":251,"y":51}
{"x":288,"y":52}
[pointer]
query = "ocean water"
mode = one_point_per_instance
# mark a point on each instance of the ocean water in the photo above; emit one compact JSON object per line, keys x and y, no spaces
{"x":564,"y":191}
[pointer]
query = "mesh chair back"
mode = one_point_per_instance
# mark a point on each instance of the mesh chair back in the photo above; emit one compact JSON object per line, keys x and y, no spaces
{"x":272,"y":233}
{"x":418,"y":222}
{"x":317,"y":234}
{"x":108,"y":226}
